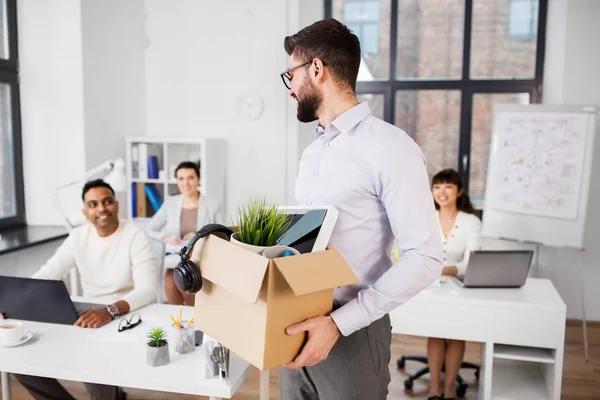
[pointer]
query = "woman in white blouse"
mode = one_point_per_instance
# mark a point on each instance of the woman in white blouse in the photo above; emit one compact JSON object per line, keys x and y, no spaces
{"x":460,"y":232}
{"x":180,"y":217}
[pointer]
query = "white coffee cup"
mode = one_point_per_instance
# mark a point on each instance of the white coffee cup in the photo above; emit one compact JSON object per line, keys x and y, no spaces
{"x":11,"y":332}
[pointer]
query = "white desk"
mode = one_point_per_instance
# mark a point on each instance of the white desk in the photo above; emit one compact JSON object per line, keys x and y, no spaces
{"x":117,"y":358}
{"x":521,"y":331}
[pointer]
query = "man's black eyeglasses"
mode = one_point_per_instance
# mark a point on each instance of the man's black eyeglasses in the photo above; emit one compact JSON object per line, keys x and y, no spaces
{"x":287,"y":78}
{"x":130,"y":323}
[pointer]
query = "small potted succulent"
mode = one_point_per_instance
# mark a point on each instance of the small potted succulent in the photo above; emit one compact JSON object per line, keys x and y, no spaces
{"x":157,"y":352}
{"x":260,"y":225}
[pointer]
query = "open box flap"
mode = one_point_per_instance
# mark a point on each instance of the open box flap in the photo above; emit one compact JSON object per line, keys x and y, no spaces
{"x":231,"y":267}
{"x":313,"y":272}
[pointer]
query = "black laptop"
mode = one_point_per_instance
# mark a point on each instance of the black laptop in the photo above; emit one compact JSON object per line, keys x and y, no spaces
{"x":39,"y":300}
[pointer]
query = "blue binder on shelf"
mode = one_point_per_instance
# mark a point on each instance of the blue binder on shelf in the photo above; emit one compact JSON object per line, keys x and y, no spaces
{"x":153,"y":196}
{"x":133,"y":201}
{"x":152,"y":167}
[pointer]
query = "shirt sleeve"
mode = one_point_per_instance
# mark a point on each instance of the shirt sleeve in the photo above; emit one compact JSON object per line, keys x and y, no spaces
{"x":473,"y":243}
{"x":402,"y":185}
{"x":144,"y":271}
{"x":158,"y":222}
{"x":57,"y":267}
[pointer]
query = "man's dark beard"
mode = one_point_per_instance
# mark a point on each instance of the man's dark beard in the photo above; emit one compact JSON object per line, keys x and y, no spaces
{"x":309,"y":101}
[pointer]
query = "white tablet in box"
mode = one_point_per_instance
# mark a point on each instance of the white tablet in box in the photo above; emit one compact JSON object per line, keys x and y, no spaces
{"x":308,"y":236}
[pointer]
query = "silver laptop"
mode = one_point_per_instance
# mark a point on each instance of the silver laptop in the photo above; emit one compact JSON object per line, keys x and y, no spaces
{"x":496,"y":269}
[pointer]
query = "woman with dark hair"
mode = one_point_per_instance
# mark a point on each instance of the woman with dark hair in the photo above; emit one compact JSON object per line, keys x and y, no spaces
{"x":460,"y":232}
{"x":179,"y":218}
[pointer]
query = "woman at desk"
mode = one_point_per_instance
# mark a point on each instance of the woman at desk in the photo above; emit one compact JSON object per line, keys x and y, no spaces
{"x":180,"y":217}
{"x":460,"y":232}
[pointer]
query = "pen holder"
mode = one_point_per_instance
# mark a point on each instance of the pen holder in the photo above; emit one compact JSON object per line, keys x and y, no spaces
{"x":185,"y":339}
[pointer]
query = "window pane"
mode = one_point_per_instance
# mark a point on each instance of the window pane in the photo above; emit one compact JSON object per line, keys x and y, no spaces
{"x":504,"y":38}
{"x":430,"y":39}
{"x":8,"y":201}
{"x":432,"y":118}
{"x":370,"y":21}
{"x":3,"y":31}
{"x":375,"y":103}
{"x":481,"y":135}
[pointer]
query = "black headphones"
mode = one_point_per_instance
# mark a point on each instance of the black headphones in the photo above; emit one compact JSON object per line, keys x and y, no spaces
{"x":187,"y":275}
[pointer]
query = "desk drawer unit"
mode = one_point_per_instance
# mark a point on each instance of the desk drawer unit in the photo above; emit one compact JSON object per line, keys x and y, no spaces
{"x":529,"y":327}
{"x":438,"y":319}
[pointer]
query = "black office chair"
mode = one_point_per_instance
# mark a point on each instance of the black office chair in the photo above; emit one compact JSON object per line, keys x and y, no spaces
{"x":461,"y":390}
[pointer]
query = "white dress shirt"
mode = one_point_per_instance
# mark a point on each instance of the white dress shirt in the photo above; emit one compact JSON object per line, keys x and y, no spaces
{"x":464,"y":237}
{"x":121,"y":266}
{"x":375,"y":175}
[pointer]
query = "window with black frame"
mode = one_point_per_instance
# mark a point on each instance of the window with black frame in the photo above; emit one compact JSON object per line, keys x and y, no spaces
{"x":436,"y":68}
{"x":12,"y":202}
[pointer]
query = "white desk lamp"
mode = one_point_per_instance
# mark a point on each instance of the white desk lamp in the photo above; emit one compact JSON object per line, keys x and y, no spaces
{"x":68,"y":195}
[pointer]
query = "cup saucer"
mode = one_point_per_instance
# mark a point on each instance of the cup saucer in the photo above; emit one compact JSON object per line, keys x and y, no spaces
{"x":26,"y":338}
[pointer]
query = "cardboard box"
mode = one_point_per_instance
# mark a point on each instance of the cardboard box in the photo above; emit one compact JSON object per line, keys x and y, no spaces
{"x":247,"y":300}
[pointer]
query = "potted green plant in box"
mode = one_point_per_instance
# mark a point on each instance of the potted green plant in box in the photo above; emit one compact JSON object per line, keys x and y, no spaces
{"x":157,"y":352}
{"x":260,"y":224}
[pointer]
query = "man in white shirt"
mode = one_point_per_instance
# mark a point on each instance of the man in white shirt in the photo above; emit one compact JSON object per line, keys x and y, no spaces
{"x":375,"y":175}
{"x":115,"y":261}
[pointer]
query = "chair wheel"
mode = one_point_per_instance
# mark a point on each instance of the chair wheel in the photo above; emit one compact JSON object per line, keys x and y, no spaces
{"x":477,"y":374}
{"x":401,"y":362}
{"x":408,"y":384}
{"x":461,"y":390}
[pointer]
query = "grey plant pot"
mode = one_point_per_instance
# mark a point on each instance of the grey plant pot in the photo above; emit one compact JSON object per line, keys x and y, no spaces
{"x":157,"y":356}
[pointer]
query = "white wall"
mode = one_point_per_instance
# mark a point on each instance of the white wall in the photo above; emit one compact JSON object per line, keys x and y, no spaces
{"x":113,"y":48}
{"x":201,"y":57}
{"x":51,"y":101}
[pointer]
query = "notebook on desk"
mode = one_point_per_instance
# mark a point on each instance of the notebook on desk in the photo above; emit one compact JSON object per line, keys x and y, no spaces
{"x":496,"y":269}
{"x":39,"y":300}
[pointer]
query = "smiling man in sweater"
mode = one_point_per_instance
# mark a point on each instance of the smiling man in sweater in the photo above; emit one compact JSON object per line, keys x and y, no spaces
{"x":116,"y":264}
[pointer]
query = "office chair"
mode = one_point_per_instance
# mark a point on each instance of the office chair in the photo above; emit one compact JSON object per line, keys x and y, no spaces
{"x":461,"y":390}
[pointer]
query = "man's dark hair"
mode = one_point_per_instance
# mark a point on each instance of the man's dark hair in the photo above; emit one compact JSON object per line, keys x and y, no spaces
{"x":188,"y":165}
{"x":333,"y":43}
{"x":94,"y":184}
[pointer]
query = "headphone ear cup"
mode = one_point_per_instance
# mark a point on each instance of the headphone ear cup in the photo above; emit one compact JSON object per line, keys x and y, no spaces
{"x":187,"y":277}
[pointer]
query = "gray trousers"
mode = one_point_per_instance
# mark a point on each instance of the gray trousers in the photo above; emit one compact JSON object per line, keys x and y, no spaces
{"x":50,"y":389}
{"x":356,"y":369}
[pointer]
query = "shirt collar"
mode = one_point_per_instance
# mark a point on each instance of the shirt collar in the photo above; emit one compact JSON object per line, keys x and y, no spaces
{"x":346,"y":121}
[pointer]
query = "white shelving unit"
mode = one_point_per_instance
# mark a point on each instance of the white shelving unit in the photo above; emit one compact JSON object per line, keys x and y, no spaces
{"x":518,"y":380}
{"x":523,"y":372}
{"x":209,"y":152}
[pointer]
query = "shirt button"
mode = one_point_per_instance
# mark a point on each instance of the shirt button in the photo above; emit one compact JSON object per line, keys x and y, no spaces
{"x":316,"y":173}
{"x":327,"y":144}
{"x":308,"y":203}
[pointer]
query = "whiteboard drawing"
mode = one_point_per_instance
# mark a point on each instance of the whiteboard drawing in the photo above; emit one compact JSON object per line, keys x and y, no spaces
{"x":536,"y":165}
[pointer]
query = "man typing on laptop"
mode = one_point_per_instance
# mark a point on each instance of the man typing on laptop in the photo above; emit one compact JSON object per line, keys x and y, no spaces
{"x":116,"y":264}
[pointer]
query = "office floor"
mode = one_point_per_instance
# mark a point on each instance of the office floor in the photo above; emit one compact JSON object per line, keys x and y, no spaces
{"x":581,"y":379}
